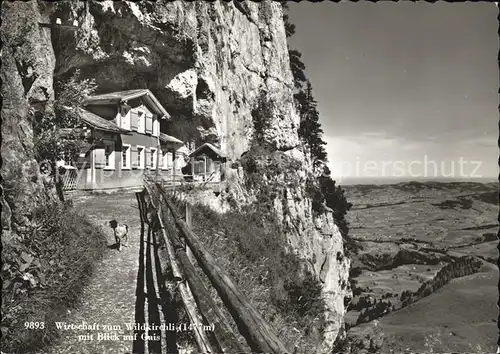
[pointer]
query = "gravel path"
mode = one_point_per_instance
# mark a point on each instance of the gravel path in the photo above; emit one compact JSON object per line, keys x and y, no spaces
{"x":109,"y":301}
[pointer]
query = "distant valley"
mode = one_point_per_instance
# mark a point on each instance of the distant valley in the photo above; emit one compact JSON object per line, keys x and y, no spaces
{"x":423,"y":242}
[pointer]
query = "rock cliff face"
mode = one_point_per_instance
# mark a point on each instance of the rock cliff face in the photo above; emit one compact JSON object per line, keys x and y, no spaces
{"x":318,"y":240}
{"x":208,"y":63}
{"x":27,"y":65}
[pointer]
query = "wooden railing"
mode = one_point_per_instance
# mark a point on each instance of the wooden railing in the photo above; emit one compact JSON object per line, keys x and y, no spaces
{"x":185,"y":253}
{"x":186,"y":182}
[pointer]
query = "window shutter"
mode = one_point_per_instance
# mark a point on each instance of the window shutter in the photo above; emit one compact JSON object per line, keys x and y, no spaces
{"x":149,"y":124}
{"x":134,"y":120}
{"x":147,"y":163}
{"x":176,"y":159}
{"x":156,"y":126}
{"x":154,"y":156}
{"x":134,"y":157}
{"x":169,"y":159}
{"x":100,"y":158}
{"x":160,"y":160}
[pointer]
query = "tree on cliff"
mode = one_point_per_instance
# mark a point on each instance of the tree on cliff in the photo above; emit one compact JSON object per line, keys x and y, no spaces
{"x":322,"y":190}
{"x":335,"y":199}
{"x":310,"y":128}
{"x":297,"y":67}
{"x":289,"y":27}
{"x":56,"y":133}
{"x":296,"y":64}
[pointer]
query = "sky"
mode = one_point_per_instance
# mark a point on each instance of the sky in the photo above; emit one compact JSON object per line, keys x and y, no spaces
{"x":406,"y":90}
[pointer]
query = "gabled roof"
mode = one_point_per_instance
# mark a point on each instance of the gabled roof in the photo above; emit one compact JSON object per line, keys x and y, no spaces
{"x":100,"y":123}
{"x":170,"y":139}
{"x":117,"y":96}
{"x":124,"y":96}
{"x":210,"y":147}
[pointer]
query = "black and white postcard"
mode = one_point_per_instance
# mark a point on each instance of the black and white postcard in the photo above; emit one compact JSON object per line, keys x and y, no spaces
{"x":249,"y":177}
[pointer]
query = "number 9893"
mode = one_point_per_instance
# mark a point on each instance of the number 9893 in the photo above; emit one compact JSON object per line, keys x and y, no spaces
{"x":34,"y":325}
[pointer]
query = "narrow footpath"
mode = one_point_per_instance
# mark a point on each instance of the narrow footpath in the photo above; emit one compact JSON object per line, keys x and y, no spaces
{"x":120,"y":292}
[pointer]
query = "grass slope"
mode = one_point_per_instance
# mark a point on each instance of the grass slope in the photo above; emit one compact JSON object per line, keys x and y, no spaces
{"x":460,"y":317}
{"x":44,"y":272}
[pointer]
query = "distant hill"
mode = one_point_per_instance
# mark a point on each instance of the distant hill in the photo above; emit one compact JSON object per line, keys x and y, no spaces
{"x":349,"y":181}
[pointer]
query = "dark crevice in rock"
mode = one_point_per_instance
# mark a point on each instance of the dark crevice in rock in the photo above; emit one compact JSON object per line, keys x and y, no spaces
{"x":206,"y":123}
{"x":26,"y":73}
{"x":185,"y":125}
{"x":242,"y":7}
{"x":285,"y":83}
{"x":203,"y":91}
{"x":258,"y":73}
{"x":323,"y":270}
{"x":284,"y":149}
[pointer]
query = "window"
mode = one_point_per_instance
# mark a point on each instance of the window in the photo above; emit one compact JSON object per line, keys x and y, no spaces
{"x":141,"y":122}
{"x":125,"y":121}
{"x":153,"y":158}
{"x":156,"y":126}
{"x":125,"y":156}
{"x":109,"y":153}
{"x":141,"y":156}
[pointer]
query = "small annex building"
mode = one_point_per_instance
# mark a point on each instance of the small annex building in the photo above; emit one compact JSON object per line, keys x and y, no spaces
{"x":208,"y":163}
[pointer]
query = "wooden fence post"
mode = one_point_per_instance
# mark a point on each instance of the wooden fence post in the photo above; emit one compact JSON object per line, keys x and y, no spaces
{"x":189,"y":218}
{"x":174,"y":171}
{"x":189,"y":222}
{"x":224,"y":335}
{"x":186,"y":294}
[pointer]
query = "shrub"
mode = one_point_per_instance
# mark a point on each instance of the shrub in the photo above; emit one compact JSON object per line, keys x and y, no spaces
{"x":269,"y":173}
{"x":261,"y":117}
{"x":304,"y":296}
{"x":44,"y":271}
{"x":48,"y":141}
{"x":315,"y":195}
{"x":336,"y":200}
